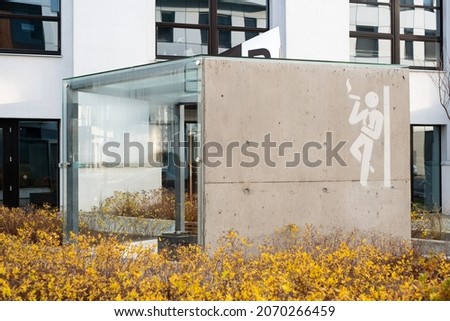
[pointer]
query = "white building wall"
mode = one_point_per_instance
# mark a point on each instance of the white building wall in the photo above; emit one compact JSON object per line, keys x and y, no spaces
{"x":111,"y":34}
{"x":30,"y":85}
{"x":316,"y":30}
{"x":424,"y":96}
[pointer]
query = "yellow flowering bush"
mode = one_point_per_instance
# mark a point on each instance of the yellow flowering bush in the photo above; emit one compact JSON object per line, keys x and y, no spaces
{"x":294,"y":264}
{"x":30,"y":222}
{"x":426,"y":224}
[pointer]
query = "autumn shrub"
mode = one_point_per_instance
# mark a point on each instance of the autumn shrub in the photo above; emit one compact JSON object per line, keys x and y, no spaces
{"x":294,"y":264}
{"x":155,"y":204}
{"x":30,"y":222}
{"x":426,"y":224}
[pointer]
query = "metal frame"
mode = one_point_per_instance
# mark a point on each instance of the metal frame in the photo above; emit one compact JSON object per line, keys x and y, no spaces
{"x":70,"y":163}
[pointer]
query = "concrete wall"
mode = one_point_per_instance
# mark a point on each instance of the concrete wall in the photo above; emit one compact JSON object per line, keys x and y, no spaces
{"x":111,"y":34}
{"x":30,"y":85}
{"x":246,"y":100}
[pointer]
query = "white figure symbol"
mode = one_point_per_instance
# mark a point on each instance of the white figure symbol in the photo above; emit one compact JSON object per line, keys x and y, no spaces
{"x":372,"y":125}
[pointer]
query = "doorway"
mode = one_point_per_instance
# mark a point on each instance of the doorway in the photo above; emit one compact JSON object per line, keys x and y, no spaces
{"x":426,"y":167}
{"x":29,"y":156}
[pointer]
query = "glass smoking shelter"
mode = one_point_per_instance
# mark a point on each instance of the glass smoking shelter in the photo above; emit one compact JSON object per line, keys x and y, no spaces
{"x":133,"y":135}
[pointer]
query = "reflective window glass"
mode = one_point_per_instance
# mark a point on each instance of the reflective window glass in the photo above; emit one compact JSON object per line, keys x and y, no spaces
{"x":419,"y":20}
{"x":44,"y":8}
{"x":419,"y":53}
{"x":370,"y":15}
{"x":239,"y":10}
{"x":405,"y":31}
{"x":30,"y":26}
{"x":184,"y":11}
{"x":189,"y":27}
{"x":425,"y":167}
{"x":182,"y":42}
{"x":370,"y":50}
{"x":230,"y":39}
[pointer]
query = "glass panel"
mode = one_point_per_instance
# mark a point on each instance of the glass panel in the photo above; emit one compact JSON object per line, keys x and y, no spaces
{"x":130,"y":162}
{"x":38,"y":169}
{"x":419,"y":53}
{"x":240,"y":10}
{"x":28,"y":34}
{"x":370,"y":50}
{"x":432,"y":50}
{"x":182,"y":42}
{"x":50,"y":35}
{"x":426,"y":3}
{"x":377,"y":17}
{"x":182,"y":11}
{"x":250,"y":23}
{"x":426,"y":167}
{"x":47,"y":8}
{"x":22,"y":34}
{"x":408,"y":46}
{"x":421,"y":20}
{"x":230,"y":39}
{"x":375,"y":2}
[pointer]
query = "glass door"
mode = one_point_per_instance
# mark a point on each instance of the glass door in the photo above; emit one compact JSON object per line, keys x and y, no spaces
{"x":426,"y":165}
{"x":9,"y":163}
{"x":28,"y":162}
{"x":38,"y":148}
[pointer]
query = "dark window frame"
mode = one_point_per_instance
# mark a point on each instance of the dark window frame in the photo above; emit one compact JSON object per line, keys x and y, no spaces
{"x":396,"y":37}
{"x":38,"y":18}
{"x":213,"y":29}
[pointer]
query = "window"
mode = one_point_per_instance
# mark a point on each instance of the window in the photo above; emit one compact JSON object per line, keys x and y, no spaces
{"x":426,"y":174}
{"x":31,"y":27}
{"x":207,"y":27}
{"x":409,"y":47}
{"x":366,"y":47}
{"x":250,"y":23}
{"x":166,"y":34}
{"x":396,"y":31}
{"x":203,"y":19}
{"x":224,"y":35}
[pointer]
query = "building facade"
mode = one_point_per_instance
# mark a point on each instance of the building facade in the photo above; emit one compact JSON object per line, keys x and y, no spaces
{"x":45,"y":41}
